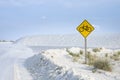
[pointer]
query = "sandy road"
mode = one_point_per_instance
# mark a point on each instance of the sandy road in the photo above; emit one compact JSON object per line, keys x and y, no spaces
{"x":11,"y":56}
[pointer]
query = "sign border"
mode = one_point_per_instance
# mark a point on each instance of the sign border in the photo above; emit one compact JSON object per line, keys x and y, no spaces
{"x":81,"y":24}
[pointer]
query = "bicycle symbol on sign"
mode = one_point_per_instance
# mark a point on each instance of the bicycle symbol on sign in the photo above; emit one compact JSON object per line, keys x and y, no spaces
{"x":86,"y":28}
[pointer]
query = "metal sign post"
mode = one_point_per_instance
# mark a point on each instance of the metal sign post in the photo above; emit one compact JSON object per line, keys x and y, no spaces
{"x":85,"y":28}
{"x":85,"y":50}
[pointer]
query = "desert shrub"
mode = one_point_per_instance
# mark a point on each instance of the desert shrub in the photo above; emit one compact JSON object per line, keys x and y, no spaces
{"x":73,"y":54}
{"x":106,"y":55}
{"x":91,"y":59}
{"x":88,"y":52}
{"x":51,"y":56}
{"x":81,"y":52}
{"x":115,"y":57}
{"x":102,"y":64}
{"x":101,"y":48}
{"x":96,"y":50}
{"x":75,"y":59}
{"x":94,"y":70}
{"x":118,"y":53}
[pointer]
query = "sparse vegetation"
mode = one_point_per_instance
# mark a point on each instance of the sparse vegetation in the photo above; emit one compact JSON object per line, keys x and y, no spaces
{"x":51,"y":56}
{"x":74,"y":55}
{"x":94,"y":70}
{"x":96,"y":49}
{"x":91,"y":58}
{"x":106,"y":55}
{"x":88,"y":52}
{"x":94,"y":60}
{"x":118,"y":53}
{"x":81,"y":52}
{"x":115,"y":57}
{"x":102,"y":64}
{"x":75,"y":59}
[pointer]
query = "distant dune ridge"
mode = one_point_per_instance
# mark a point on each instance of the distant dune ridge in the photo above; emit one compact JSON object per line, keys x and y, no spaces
{"x":108,"y":41}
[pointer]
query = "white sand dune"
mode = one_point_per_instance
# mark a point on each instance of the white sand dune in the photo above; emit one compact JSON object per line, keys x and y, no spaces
{"x":20,"y":61}
{"x":108,"y":41}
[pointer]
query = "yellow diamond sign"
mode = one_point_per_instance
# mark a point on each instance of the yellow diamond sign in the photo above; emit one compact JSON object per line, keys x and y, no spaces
{"x":85,"y":28}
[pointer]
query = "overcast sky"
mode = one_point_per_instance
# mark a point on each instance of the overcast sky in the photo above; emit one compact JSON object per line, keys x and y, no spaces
{"x":19,"y":18}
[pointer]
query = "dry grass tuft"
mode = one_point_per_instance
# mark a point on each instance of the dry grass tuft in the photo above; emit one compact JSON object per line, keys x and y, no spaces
{"x":102,"y":64}
{"x":96,"y":49}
